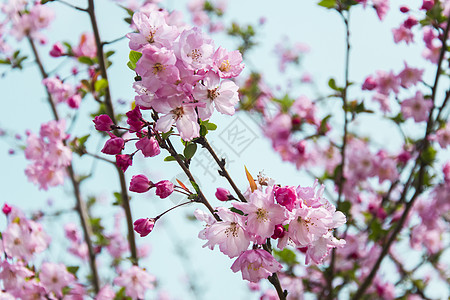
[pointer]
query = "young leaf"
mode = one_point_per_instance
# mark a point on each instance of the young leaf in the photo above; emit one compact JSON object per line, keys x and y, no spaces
{"x":250,"y":179}
{"x":189,"y":151}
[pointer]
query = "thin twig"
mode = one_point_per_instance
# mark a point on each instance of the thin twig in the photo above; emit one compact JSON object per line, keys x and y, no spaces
{"x":80,"y":204}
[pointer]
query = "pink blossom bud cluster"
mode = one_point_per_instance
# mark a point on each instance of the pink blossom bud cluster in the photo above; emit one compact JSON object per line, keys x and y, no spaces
{"x":183,"y":76}
{"x":77,"y":245}
{"x":21,"y":278}
{"x":141,"y":184}
{"x":48,"y":154}
{"x":146,"y":143}
{"x":387,"y":83}
{"x":299,"y":217}
{"x":63,"y":92}
{"x":289,"y":55}
{"x":204,"y":12}
{"x":27,"y":18}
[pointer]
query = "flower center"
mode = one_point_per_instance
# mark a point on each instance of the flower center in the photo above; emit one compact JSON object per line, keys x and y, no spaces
{"x":233,"y":230}
{"x":195,"y":54}
{"x":262,"y":215}
{"x":177,"y":112}
{"x":158,"y":68}
{"x":225,"y":66}
{"x":212,"y":94}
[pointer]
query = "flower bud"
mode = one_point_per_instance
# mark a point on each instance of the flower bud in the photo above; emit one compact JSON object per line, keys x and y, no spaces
{"x":286,"y":196}
{"x":103,"y":123}
{"x":427,"y":4}
{"x":279,"y":232}
{"x":404,"y":9}
{"x":164,"y":188}
{"x":223,"y":194}
{"x":144,"y":226}
{"x":6,"y":209}
{"x":123,"y":161}
{"x":114,"y":145}
{"x":140,"y":184}
{"x":148,"y":146}
{"x":57,"y":50}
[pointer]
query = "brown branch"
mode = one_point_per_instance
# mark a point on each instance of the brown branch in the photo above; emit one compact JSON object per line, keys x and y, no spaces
{"x":80,"y":204}
{"x":418,"y":183}
{"x":221,"y":163}
{"x":110,"y":111}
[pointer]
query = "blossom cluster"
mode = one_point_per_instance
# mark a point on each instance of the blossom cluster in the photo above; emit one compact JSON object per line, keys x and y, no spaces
{"x":23,"y":239}
{"x":182,"y":76}
{"x":296,"y":216}
{"x":27,"y":20}
{"x":49,"y":155}
{"x":63,"y":92}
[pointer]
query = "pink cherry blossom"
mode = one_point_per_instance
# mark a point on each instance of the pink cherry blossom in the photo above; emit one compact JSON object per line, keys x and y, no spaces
{"x":136,"y":282}
{"x":152,"y":30}
{"x":227,"y":64}
{"x":148,"y":146}
{"x":262,"y":214}
{"x":195,"y":49}
{"x":416,"y":107}
{"x":255,"y":265}
{"x":230,"y":234}
{"x":114,"y":145}
{"x":223,"y":94}
{"x":54,"y":277}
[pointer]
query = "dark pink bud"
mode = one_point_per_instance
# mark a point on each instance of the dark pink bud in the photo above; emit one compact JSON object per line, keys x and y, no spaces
{"x":140,"y":184}
{"x":404,"y":9}
{"x":164,"y":188}
{"x":446,"y":171}
{"x":123,"y":161}
{"x":57,"y":50}
{"x":223,"y":194}
{"x":114,"y":145}
{"x":427,"y":4}
{"x":148,"y":146}
{"x":279,"y":232}
{"x":404,"y":157}
{"x":6,"y":209}
{"x":74,"y":101}
{"x":144,"y":226}
{"x":134,"y":119}
{"x":11,"y":151}
{"x":369,"y":84}
{"x":103,"y":123}
{"x":286,"y":196}
{"x":301,"y":147}
{"x":74,"y":70}
{"x":302,"y":249}
{"x":296,"y":120}
{"x":410,"y":22}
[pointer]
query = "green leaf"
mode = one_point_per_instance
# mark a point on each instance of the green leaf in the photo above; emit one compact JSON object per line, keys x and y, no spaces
{"x":118,"y":197}
{"x":131,"y":65}
{"x":344,"y":207}
{"x":73,"y":269}
{"x":86,"y":60}
{"x":211,"y":126}
{"x":100,"y":84}
{"x":189,"y":151}
{"x":109,"y":53}
{"x":327,"y":3}
{"x":287,"y":256}
{"x":169,"y":158}
{"x":195,"y":186}
{"x":45,"y":1}
{"x":203,"y":130}
{"x":165,"y":135}
{"x":134,"y":56}
{"x":238,"y":211}
{"x":429,"y":155}
{"x":332,"y":84}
